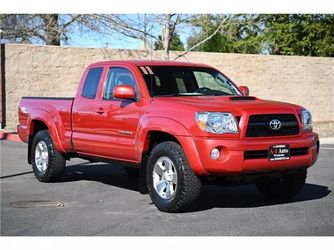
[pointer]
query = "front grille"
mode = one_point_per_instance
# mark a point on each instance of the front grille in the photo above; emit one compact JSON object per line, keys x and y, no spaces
{"x":258,"y":125}
{"x":260,"y":154}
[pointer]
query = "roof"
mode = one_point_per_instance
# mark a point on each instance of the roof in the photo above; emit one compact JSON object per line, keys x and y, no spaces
{"x":152,"y":63}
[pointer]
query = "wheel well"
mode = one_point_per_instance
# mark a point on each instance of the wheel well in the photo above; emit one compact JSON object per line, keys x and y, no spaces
{"x":155,"y":137}
{"x":36,"y":126}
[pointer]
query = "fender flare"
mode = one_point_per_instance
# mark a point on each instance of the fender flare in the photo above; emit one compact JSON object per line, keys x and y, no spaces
{"x":174,"y":128}
{"x":43,"y":116}
{"x":156,"y":123}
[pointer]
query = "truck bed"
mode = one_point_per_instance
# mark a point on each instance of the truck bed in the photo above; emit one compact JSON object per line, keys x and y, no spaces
{"x":58,"y":109}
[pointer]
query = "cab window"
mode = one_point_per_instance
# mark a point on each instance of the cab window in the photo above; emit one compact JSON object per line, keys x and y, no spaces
{"x":92,"y":82}
{"x":118,"y":76}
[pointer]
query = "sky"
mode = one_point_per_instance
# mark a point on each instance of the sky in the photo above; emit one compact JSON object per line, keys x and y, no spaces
{"x":79,"y":36}
{"x":90,"y":39}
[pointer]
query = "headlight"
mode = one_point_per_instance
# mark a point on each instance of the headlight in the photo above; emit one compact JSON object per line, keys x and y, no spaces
{"x":216,"y":122}
{"x":307,"y":119}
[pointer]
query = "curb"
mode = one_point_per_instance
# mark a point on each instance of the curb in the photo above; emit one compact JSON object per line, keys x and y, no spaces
{"x":329,"y":140}
{"x":9,"y":136}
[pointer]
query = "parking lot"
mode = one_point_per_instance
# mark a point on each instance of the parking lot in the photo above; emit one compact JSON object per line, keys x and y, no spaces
{"x":100,"y":199}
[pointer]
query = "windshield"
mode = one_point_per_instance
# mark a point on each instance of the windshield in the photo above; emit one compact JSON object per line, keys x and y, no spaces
{"x":181,"y":81}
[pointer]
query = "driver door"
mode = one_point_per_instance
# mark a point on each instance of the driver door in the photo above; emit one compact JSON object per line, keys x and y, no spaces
{"x":117,"y":121}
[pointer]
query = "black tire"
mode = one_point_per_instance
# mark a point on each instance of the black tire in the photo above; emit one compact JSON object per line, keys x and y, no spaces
{"x":188,"y":184}
{"x":56,"y":162}
{"x":283,"y":188}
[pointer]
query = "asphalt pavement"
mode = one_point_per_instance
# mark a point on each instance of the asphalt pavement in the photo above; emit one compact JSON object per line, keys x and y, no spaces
{"x":101,"y":199}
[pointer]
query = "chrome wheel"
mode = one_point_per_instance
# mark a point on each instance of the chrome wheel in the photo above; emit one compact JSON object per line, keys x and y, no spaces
{"x":41,"y":156}
{"x":164,"y":178}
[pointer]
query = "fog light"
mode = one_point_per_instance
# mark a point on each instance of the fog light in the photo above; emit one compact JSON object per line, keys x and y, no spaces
{"x":215,"y":154}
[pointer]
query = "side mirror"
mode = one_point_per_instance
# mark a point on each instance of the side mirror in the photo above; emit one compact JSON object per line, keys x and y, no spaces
{"x":124,"y":92}
{"x":244,"y":90}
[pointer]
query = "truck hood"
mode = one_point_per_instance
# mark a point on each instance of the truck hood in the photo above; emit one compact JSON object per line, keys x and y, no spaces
{"x":233,"y":104}
{"x":182,"y":109}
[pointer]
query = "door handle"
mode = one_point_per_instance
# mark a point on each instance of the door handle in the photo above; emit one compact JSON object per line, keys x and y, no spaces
{"x":100,"y":111}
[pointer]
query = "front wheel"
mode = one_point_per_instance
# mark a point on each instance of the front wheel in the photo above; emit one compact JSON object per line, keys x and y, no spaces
{"x":47,"y":163}
{"x":171,"y":182}
{"x":284,"y":187}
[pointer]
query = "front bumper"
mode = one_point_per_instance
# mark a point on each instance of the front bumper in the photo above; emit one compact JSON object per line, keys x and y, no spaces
{"x":232,"y":154}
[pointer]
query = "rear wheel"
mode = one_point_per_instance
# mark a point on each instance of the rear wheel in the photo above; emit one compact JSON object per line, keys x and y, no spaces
{"x":171,"y":182}
{"x":284,"y":187}
{"x":47,"y":163}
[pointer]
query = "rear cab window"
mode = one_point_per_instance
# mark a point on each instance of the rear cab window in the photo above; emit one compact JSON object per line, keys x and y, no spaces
{"x":92,"y":82}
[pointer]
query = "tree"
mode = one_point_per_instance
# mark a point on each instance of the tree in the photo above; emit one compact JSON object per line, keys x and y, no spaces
{"x":49,"y":29}
{"x":279,"y":34}
{"x":153,"y":29}
{"x":159,"y":31}
{"x":296,"y":34}
{"x":238,"y":35}
{"x":176,"y":43}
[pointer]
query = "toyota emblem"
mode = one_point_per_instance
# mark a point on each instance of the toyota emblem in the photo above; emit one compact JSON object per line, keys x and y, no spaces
{"x":275,"y":124}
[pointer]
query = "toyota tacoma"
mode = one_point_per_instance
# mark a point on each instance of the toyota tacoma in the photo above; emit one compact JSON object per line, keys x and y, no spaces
{"x":178,"y":125}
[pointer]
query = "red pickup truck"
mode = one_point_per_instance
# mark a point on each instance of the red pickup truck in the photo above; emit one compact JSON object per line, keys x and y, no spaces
{"x":181,"y":124}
